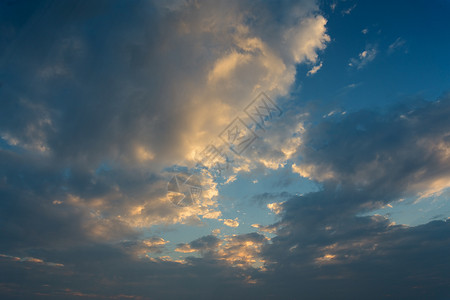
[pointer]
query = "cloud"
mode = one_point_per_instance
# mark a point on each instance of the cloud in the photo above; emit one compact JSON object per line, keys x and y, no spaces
{"x":238,"y":250}
{"x":141,"y":99}
{"x":321,"y":249}
{"x":231,"y":223}
{"x":140,"y":248}
{"x":275,"y":207}
{"x":309,"y":39}
{"x":363,"y":58}
{"x":348,"y":10}
{"x":113,"y":94}
{"x":110,"y":96}
{"x":31,"y":260}
{"x":399,"y":43}
{"x":267,"y":229}
{"x":314,"y":70}
{"x":320,"y":237}
{"x":204,"y":244}
{"x":378,"y":159}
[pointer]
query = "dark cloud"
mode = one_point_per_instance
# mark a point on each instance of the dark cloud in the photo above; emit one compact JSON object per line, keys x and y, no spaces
{"x":367,"y":159}
{"x":107,"y":94}
{"x":205,"y":243}
{"x":386,"y":155}
{"x":322,"y":248}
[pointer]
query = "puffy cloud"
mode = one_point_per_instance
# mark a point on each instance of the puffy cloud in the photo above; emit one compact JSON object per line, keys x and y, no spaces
{"x":80,"y":177}
{"x":310,"y":38}
{"x":275,"y":207}
{"x":241,"y":251}
{"x":321,"y":248}
{"x":230,"y":222}
{"x":372,"y":159}
{"x":402,"y":152}
{"x":167,"y":81}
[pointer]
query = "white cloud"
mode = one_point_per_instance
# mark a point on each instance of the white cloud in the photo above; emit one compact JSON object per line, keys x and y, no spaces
{"x":276,"y":207}
{"x":314,"y":70}
{"x":307,"y":38}
{"x":231,"y":223}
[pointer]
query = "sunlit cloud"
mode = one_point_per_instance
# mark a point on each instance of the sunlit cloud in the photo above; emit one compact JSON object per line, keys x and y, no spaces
{"x":222,"y":149}
{"x":364,"y":58}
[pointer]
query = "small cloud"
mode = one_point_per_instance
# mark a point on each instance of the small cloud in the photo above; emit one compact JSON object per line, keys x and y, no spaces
{"x":363,"y":58}
{"x":397,"y":44}
{"x":231,"y":223}
{"x":314,"y":70}
{"x":348,"y":10}
{"x":329,"y":114}
{"x":185,"y":248}
{"x":267,"y":229}
{"x":292,"y":249}
{"x":326,"y":258}
{"x":212,"y":215}
{"x":167,"y":258}
{"x":277,"y":208}
{"x":333,"y":6}
{"x":31,"y":260}
{"x":365,"y":31}
{"x":153,"y":242}
{"x":231,"y":179}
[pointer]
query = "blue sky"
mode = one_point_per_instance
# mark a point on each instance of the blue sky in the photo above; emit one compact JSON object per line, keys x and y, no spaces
{"x":331,"y":124}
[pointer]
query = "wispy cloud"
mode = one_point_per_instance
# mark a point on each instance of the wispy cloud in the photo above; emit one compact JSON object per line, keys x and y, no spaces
{"x":348,"y":10}
{"x":30,"y":260}
{"x":314,"y":69}
{"x":398,"y":44}
{"x":364,"y":58}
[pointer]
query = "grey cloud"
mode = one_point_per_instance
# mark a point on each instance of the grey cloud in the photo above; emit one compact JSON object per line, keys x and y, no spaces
{"x":205,"y":243}
{"x":374,"y":159}
{"x":393,"y":153}
{"x":125,"y":85}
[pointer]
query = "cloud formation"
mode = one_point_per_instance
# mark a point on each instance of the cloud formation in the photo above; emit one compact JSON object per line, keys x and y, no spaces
{"x":104,"y":102}
{"x":120,"y":124}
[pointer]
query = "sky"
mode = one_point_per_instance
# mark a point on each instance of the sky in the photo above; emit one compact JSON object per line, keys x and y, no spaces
{"x":224,"y":149}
